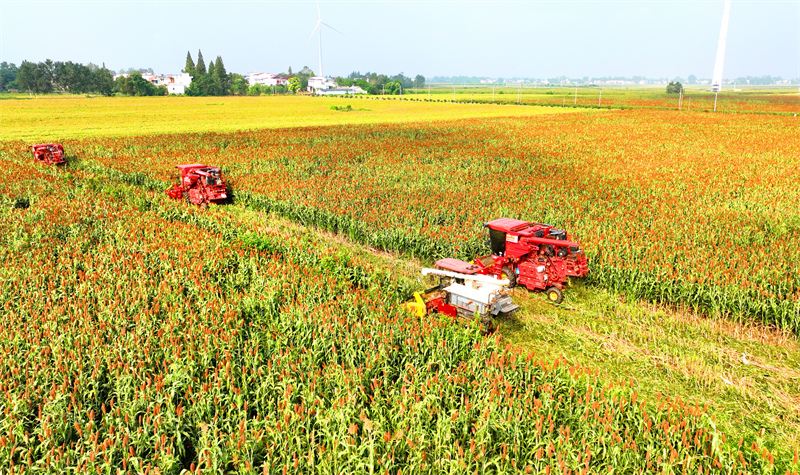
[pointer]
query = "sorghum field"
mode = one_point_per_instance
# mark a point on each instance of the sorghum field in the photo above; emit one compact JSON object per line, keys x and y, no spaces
{"x":142,"y":335}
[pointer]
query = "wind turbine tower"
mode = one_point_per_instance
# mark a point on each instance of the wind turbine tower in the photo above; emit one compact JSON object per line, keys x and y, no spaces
{"x":318,"y":29}
{"x":716,"y":80}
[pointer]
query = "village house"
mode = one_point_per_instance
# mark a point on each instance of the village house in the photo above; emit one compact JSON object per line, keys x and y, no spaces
{"x":316,"y":83}
{"x":267,"y":79}
{"x":175,"y":83}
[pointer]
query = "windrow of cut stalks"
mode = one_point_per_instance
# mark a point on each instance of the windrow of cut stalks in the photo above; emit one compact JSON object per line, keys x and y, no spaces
{"x":136,"y":338}
{"x":690,"y":209}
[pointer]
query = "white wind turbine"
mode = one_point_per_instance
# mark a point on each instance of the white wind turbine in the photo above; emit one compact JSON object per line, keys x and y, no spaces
{"x":318,"y":29}
{"x":716,"y":81}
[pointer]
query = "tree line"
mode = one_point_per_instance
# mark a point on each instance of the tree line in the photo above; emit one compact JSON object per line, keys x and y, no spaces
{"x":57,"y":76}
{"x":212,"y":80}
{"x":375,"y":83}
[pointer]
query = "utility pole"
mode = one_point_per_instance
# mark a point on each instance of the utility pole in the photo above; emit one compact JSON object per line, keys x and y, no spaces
{"x":492,"y":94}
{"x":429,"y":92}
{"x":383,"y":90}
{"x":401,"y":92}
{"x":680,"y":98}
{"x":518,"y":88}
{"x":576,"y":93}
{"x":600,"y":99}
{"x":454,"y":94}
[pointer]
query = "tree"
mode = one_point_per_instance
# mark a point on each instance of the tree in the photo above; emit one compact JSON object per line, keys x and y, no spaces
{"x":62,"y":75}
{"x":674,"y":87}
{"x":393,"y":87}
{"x":139,"y":86}
{"x":189,"y":68}
{"x":43,"y":78}
{"x":404,"y":81}
{"x":211,"y":89}
{"x":238,"y":84}
{"x":192,"y":90}
{"x":121,"y":85}
{"x":200,"y":68}
{"x":294,"y":84}
{"x":26,"y":76}
{"x":103,"y":81}
{"x":419,"y":81}
{"x":306,"y":71}
{"x":222,"y":78}
{"x":67,"y":77}
{"x":8,"y":75}
{"x":136,"y":85}
{"x":692,"y":79}
{"x":290,"y":70}
{"x":211,"y":68}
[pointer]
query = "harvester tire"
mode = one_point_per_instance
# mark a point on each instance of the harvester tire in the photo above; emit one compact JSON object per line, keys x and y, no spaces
{"x":508,"y":273}
{"x":186,"y":197}
{"x":554,"y":295}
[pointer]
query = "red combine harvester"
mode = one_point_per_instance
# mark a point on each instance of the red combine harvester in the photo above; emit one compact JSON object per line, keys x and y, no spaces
{"x":534,"y":255}
{"x":200,"y":184}
{"x":48,"y":153}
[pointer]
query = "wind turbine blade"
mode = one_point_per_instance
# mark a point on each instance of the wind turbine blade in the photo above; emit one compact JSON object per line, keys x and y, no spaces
{"x":312,"y":32}
{"x":332,"y":28}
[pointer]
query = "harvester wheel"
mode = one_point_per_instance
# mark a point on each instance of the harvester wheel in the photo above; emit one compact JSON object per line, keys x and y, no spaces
{"x":205,"y":205}
{"x":554,"y":295}
{"x":508,"y":273}
{"x":186,"y":197}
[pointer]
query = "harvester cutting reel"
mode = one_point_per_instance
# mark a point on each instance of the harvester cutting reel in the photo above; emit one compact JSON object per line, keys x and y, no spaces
{"x":465,"y":296}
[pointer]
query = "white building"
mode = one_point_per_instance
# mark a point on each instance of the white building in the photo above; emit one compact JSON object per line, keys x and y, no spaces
{"x":319,"y":82}
{"x":267,"y":79}
{"x":339,"y":91}
{"x":175,"y":83}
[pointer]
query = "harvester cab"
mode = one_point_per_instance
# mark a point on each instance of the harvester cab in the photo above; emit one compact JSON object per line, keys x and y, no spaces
{"x":48,"y":153}
{"x":463,"y":293}
{"x":200,"y":185}
{"x":537,"y":256}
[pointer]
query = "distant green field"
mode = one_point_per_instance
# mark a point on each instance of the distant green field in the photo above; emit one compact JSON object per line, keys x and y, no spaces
{"x":761,"y":100}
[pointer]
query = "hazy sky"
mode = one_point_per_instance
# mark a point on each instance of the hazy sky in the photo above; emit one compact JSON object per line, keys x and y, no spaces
{"x":474,"y":38}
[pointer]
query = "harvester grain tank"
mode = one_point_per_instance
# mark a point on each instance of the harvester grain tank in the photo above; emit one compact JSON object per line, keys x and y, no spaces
{"x":200,"y":184}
